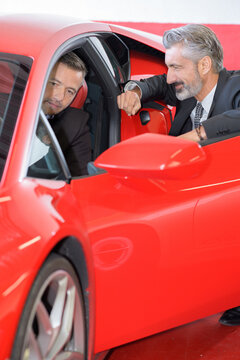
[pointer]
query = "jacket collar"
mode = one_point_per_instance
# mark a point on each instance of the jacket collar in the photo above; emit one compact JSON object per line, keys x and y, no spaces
{"x":223,"y":77}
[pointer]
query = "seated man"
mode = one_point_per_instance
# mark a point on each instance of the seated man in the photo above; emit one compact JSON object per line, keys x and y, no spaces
{"x":69,"y":124}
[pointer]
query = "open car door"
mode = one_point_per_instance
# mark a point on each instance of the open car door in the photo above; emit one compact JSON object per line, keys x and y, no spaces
{"x":146,"y":54}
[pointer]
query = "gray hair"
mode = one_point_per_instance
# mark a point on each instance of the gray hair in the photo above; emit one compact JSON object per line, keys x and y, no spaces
{"x":198,"y":41}
{"x":74,"y":62}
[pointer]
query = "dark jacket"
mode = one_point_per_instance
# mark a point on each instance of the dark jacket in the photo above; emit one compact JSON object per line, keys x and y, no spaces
{"x":71,"y":129}
{"x":220,"y":120}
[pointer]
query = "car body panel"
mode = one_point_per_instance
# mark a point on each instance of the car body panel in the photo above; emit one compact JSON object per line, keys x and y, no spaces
{"x":38,"y":33}
{"x":162,"y":226}
{"x":27,"y":244}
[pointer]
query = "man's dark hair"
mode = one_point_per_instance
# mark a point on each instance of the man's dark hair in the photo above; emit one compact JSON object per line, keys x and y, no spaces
{"x":74,"y":62}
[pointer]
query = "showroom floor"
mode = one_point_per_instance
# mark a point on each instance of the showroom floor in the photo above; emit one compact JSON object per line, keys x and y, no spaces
{"x":205,"y":339}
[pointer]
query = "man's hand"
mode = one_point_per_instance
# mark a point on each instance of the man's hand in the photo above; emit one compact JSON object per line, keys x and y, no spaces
{"x":129,"y":101}
{"x":195,"y":135}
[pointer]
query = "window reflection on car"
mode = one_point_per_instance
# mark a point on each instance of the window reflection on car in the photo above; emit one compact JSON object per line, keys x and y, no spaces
{"x":44,"y":162}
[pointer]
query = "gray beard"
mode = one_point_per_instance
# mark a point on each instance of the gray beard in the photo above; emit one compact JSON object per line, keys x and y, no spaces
{"x":189,"y":91}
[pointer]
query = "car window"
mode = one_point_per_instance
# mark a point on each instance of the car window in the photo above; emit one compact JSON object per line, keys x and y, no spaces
{"x":44,"y":160}
{"x":14,"y":72}
{"x":6,"y":87}
{"x":118,"y":53}
{"x":110,"y":59}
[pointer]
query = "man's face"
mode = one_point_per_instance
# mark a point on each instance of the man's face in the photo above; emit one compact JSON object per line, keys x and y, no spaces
{"x":183,"y":73}
{"x":62,"y":86}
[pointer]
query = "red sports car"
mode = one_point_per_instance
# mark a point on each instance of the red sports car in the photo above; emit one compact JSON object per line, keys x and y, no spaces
{"x":146,"y":242}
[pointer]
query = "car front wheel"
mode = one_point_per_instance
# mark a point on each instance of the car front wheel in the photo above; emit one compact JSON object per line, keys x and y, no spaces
{"x":52,"y":325}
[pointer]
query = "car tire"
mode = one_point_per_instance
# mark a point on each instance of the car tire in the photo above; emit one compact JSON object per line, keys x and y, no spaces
{"x":52,"y":325}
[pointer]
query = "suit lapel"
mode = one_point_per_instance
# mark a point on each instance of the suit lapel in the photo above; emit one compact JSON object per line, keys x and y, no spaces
{"x":182,"y":119}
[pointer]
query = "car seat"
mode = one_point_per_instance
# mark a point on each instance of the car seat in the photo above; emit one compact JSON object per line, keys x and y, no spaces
{"x":81,"y":96}
{"x":6,"y":78}
{"x":6,"y":85}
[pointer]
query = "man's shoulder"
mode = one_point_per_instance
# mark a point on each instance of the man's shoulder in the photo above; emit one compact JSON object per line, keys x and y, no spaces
{"x":230,"y":80}
{"x":226,"y":96}
{"x":73,"y":114}
{"x":235,"y":73}
{"x":75,"y":111}
{"x":230,"y":73}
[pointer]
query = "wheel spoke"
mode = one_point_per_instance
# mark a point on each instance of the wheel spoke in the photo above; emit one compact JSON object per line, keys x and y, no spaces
{"x":58,"y":306}
{"x":32,"y":351}
{"x":44,"y":328}
{"x":66,"y":326}
{"x":67,"y":355}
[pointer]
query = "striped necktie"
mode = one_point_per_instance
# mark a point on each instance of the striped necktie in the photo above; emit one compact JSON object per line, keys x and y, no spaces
{"x":198,"y":115}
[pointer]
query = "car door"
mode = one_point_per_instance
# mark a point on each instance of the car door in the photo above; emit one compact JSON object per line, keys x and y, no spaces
{"x":165,"y":244}
{"x":111,"y":62}
{"x":216,"y":226}
{"x":136,"y":226}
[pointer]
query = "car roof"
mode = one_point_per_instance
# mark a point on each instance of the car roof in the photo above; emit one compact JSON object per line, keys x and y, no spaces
{"x":29,"y":34}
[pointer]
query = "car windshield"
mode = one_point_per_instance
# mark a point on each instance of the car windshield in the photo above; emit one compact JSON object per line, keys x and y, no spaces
{"x":14,"y":71}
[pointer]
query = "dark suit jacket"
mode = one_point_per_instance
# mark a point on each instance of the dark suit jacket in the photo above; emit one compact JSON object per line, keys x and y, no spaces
{"x":220,"y":120}
{"x":71,"y":129}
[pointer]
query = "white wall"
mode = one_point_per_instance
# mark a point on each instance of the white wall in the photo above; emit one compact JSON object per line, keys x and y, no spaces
{"x":161,"y":11}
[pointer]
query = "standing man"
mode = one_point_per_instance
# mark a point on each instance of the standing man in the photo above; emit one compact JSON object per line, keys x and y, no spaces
{"x":206,"y":95}
{"x":69,"y":124}
{"x":196,"y":83}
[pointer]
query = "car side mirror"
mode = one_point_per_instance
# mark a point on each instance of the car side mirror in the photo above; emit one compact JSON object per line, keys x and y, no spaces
{"x":154,"y":156}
